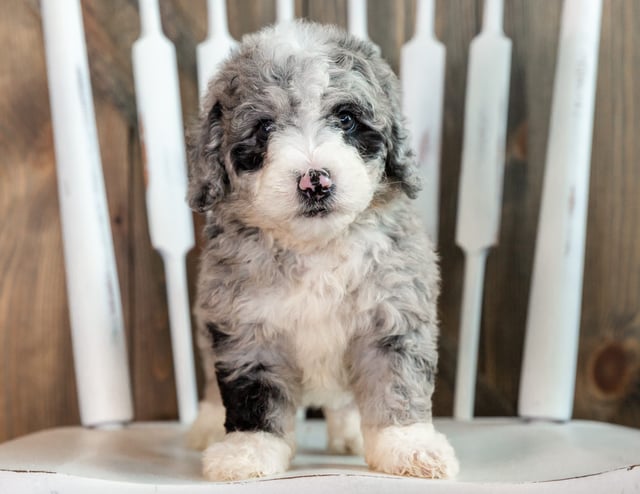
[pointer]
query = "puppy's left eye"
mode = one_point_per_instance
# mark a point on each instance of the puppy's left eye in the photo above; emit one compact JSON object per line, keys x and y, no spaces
{"x":265,"y":128}
{"x":347,"y":122}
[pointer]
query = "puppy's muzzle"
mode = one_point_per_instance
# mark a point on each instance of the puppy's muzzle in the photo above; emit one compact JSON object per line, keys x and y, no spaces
{"x":315,"y":185}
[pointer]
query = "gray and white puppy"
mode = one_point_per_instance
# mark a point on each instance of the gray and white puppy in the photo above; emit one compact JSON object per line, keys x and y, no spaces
{"x":317,"y":284}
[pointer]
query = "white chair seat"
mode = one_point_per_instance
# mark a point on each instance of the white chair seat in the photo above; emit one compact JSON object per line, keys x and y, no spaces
{"x":496,"y":455}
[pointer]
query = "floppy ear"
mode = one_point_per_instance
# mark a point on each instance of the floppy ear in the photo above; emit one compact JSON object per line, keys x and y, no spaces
{"x":400,"y":164}
{"x":208,"y":180}
{"x":401,"y":161}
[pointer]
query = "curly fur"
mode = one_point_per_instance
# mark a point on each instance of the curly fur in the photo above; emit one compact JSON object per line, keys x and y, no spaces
{"x":298,"y":308}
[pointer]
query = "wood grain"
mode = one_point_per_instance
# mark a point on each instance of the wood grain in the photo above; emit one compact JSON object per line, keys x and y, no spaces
{"x":37,"y":386}
{"x":608,"y":386}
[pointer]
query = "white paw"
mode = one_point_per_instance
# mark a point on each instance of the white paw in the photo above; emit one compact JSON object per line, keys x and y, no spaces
{"x":343,"y":428}
{"x":245,"y":455}
{"x":208,"y":427}
{"x":415,"y":450}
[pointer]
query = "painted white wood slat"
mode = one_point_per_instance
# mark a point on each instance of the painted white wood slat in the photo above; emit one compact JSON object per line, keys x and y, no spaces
{"x":553,"y":323}
{"x":480,"y":193}
{"x":216,"y":47}
{"x":285,"y":10}
{"x":357,"y":18}
{"x":422,"y":71}
{"x":97,"y":325}
{"x":170,"y":219}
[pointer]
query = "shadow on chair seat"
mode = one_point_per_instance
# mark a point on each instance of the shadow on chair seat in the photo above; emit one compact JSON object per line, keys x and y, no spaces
{"x":496,"y":455}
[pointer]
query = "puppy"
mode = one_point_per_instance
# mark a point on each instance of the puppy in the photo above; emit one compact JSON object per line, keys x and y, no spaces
{"x":317,"y":285}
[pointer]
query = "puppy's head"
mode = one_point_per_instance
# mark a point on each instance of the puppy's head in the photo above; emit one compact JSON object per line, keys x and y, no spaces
{"x":301,"y":132}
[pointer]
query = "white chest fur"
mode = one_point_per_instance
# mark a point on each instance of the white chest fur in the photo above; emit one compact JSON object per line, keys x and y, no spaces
{"x":318,"y":313}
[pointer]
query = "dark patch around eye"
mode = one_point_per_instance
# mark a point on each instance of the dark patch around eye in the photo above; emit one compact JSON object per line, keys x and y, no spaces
{"x":248,"y":156}
{"x":368,"y":141}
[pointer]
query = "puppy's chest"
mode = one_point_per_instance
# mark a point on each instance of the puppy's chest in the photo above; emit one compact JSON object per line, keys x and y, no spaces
{"x":312,"y":303}
{"x":315,"y":311}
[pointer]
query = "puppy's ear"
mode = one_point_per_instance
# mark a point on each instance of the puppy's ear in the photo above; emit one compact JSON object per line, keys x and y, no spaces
{"x":208,"y":180}
{"x":401,"y":162}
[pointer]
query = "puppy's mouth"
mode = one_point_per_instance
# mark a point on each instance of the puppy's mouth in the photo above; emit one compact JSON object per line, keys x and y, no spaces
{"x":316,"y":209}
{"x":313,"y":209}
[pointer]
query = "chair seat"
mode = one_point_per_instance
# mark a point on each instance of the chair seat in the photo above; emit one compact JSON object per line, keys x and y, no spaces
{"x":496,"y":455}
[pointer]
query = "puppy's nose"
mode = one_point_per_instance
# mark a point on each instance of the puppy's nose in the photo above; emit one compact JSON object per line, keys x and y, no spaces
{"x":315,"y":184}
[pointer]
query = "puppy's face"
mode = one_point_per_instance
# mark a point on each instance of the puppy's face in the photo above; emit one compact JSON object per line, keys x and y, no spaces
{"x":301,"y":133}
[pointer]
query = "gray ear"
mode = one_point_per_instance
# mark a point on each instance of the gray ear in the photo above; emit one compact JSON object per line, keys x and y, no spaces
{"x":401,"y":163}
{"x":208,"y":180}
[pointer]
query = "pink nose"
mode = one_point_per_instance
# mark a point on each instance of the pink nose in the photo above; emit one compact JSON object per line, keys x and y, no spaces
{"x":315,"y":184}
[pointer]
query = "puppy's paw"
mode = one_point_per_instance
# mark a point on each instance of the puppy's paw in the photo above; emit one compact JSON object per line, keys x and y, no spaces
{"x":415,"y":450}
{"x":343,"y":428}
{"x":245,"y":455}
{"x":208,"y":427}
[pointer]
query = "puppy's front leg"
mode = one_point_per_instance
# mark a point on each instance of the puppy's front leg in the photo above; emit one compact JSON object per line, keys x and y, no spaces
{"x":393,"y":380}
{"x":260,"y":417}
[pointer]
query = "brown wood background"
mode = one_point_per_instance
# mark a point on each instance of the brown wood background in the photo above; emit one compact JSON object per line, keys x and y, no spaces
{"x":37,"y":387}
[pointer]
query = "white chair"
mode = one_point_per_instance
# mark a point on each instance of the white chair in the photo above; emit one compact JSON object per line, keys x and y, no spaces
{"x":497,"y":455}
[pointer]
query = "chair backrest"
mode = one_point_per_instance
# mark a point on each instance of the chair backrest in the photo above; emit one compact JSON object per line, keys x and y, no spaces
{"x":97,"y":327}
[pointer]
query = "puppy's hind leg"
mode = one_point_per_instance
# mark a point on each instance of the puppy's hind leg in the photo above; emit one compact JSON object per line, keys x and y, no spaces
{"x":393,"y":379}
{"x":208,"y":427}
{"x":343,"y":428}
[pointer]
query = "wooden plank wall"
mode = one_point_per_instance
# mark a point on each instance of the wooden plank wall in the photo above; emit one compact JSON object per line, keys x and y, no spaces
{"x":37,"y":387}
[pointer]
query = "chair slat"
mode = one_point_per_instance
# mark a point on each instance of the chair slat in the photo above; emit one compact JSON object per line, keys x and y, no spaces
{"x":216,"y":47}
{"x":285,"y":10}
{"x":357,"y":18}
{"x":170,"y":221}
{"x":97,"y":325}
{"x":422,"y":69}
{"x":480,"y":194}
{"x":551,"y":341}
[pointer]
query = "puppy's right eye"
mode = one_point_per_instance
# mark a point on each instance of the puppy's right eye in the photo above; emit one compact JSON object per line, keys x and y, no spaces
{"x":248,"y":156}
{"x":347,"y":122}
{"x":265,"y":128}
